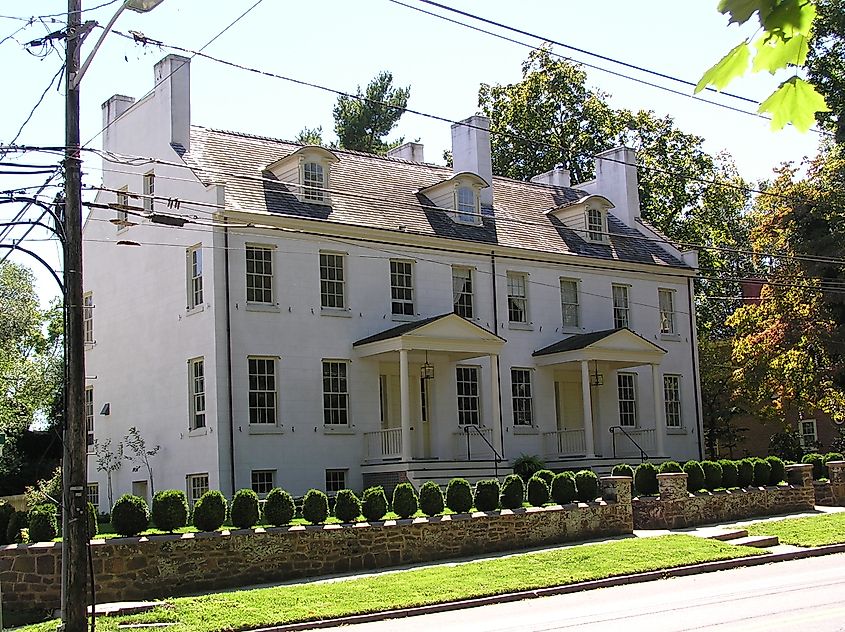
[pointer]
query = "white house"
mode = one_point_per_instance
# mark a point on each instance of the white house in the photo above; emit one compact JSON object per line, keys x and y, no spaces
{"x":273,"y":314}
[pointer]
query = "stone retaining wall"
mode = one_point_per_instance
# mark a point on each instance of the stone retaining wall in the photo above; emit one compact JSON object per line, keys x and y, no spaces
{"x":676,"y":508}
{"x":831,"y":493}
{"x":162,"y":566}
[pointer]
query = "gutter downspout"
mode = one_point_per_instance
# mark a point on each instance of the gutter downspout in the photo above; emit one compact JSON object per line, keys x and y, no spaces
{"x":498,"y":364}
{"x":694,"y":354}
{"x":229,"y":357}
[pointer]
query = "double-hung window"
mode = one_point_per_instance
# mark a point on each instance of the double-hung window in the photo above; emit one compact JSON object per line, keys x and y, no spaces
{"x":259,"y":274}
{"x":262,"y":481}
{"x":92,"y":494}
{"x":462,"y":291}
{"x":466,"y":204}
{"x":89,"y":418}
{"x":523,"y":409}
{"x":262,"y":390}
{"x":335,"y":393}
{"x":88,"y":318}
{"x":149,"y":191}
{"x":194,"y":257}
{"x":469,"y":398}
{"x":666,"y":298}
{"x":122,"y":214}
{"x":196,"y":383}
{"x":517,"y":297}
{"x":335,"y":480}
{"x":401,"y":288}
{"x":569,"y":303}
{"x":197,"y":485}
{"x":621,"y":306}
{"x":626,"y":385}
{"x":808,"y":434}
{"x":313,"y":182}
{"x":595,"y":225}
{"x":672,"y":400}
{"x":332,"y":281}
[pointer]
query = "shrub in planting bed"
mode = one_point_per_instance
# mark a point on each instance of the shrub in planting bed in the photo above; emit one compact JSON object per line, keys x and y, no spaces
{"x":487,"y":495}
{"x":374,"y":503}
{"x":245,"y":509}
{"x":210,"y":511}
{"x":279,"y":507}
{"x":42,"y":523}
{"x":730,"y":473}
{"x":17,"y":526}
{"x":777,"y":472}
{"x":170,"y":510}
{"x":459,"y":495}
{"x":547,"y":475}
{"x":745,"y":468}
{"x":405,"y":501}
{"x":93,"y":525}
{"x":817,"y":461}
{"x":315,"y":506}
{"x":432,"y":502}
{"x":762,"y":470}
{"x":347,"y":506}
{"x":695,"y":475}
{"x":670,"y":467}
{"x":587,"y":486}
{"x":645,"y":479}
{"x":538,"y":492}
{"x":712,"y":474}
{"x":513,"y":492}
{"x":622,"y":469}
{"x":130,"y":515}
{"x":526,"y":465}
{"x":6,"y":511}
{"x":563,"y":488}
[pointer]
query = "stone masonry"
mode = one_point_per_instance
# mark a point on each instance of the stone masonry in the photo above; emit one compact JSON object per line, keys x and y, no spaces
{"x":832,"y":492}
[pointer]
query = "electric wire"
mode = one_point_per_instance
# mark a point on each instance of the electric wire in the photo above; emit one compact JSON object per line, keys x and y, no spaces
{"x":58,"y":74}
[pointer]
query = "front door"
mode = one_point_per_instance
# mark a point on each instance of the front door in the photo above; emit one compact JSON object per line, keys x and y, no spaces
{"x":569,"y":407}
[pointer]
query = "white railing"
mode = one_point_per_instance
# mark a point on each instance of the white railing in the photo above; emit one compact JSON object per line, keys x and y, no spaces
{"x":478,"y":448}
{"x":625,"y":446}
{"x":384,"y":444}
{"x":565,"y":442}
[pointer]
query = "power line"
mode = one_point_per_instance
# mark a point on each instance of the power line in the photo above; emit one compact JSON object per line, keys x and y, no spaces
{"x":34,"y":108}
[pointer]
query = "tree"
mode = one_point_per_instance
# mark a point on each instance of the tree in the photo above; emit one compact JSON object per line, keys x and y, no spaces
{"x":310,"y":136}
{"x":721,"y":407}
{"x":139,"y":455}
{"x":109,"y":462}
{"x":826,"y":63}
{"x":362,"y":121}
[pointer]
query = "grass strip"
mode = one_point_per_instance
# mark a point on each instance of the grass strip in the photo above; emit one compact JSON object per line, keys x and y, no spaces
{"x":246,"y":609}
{"x":808,"y":531}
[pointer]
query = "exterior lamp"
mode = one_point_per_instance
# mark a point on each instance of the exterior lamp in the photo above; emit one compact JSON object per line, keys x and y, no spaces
{"x":427,"y":370}
{"x":597,"y":378}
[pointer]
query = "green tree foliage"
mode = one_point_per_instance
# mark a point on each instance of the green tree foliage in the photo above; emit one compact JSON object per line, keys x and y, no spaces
{"x":459,"y":495}
{"x":537,"y":491}
{"x":405,"y":502}
{"x":826,"y":63}
{"x":362,"y":121}
{"x":722,"y":407}
{"x":139,"y":454}
{"x":310,"y":136}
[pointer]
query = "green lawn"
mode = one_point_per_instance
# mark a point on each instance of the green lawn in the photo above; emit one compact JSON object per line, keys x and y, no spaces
{"x":809,"y":531}
{"x":319,"y":600}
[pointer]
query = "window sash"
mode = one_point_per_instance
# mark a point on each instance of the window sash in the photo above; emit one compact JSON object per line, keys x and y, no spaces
{"x":262,"y":481}
{"x":402,"y":288}
{"x":672,"y":400}
{"x":88,"y":318}
{"x":569,"y":302}
{"x":666,"y":299}
{"x":122,"y":215}
{"x":466,"y":205}
{"x":335,"y":480}
{"x":335,"y":393}
{"x":462,"y":291}
{"x":149,"y":191}
{"x":259,"y":274}
{"x":92,"y":494}
{"x":313,"y":181}
{"x":89,"y":418}
{"x":517,"y":298}
{"x":808,"y":433}
{"x":197,"y":393}
{"x":195,"y":297}
{"x":523,"y":409}
{"x":332,"y":281}
{"x":627,"y":396}
{"x":621,"y":307}
{"x":595,"y":225}
{"x":197,"y":485}
{"x":262,"y":391}
{"x":469,"y":398}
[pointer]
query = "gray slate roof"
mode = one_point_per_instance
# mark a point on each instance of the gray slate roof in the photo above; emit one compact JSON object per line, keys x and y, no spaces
{"x":580,"y":341}
{"x":383,"y":193}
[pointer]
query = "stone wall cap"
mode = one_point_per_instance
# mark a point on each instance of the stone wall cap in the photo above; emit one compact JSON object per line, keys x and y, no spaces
{"x":799,"y":466}
{"x":836,"y":463}
{"x":616,"y":478}
{"x":672,"y":474}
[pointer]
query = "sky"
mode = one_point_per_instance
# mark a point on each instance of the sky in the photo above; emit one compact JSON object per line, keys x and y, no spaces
{"x":341,"y":45}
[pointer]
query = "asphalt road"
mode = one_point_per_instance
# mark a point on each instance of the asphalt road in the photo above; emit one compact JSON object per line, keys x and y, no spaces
{"x":801,"y":595}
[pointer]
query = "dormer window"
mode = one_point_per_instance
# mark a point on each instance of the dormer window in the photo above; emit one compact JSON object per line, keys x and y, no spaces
{"x":306,"y":173}
{"x":458,"y":197}
{"x":313,"y":182}
{"x":596,"y":225}
{"x":587,"y":216}
{"x":466,"y":203}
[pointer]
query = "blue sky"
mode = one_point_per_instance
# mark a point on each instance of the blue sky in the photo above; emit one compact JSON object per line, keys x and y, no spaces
{"x":342,"y":44}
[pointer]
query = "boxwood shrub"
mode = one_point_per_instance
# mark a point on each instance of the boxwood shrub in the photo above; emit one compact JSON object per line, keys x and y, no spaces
{"x":712,"y":474}
{"x":6,"y":511}
{"x":93,"y":526}
{"x":538,"y":492}
{"x":347,"y":506}
{"x":42,"y":523}
{"x":730,"y":473}
{"x":670,"y":467}
{"x":622,"y":469}
{"x":279,"y":507}
{"x":817,"y":461}
{"x":547,"y":475}
{"x":833,"y":456}
{"x":513,"y":492}
{"x":17,"y":528}
{"x":587,"y":486}
{"x":695,"y":475}
{"x":315,"y":506}
{"x":762,"y":471}
{"x":487,"y":495}
{"x":526,"y":465}
{"x":459,"y":495}
{"x":405,"y":502}
{"x":374,"y":503}
{"x":778,"y":470}
{"x":645,"y":479}
{"x":209,"y":511}
{"x":431,"y":499}
{"x":745,"y":468}
{"x":130,"y":515}
{"x":170,"y":510}
{"x":563,"y":488}
{"x":245,"y":509}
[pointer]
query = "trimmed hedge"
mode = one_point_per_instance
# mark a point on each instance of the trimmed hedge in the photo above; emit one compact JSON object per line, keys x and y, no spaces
{"x":315,"y":506}
{"x":777,"y":472}
{"x":526,"y":465}
{"x":130,"y":515}
{"x":245,"y":509}
{"x":6,"y":511}
{"x":833,"y":456}
{"x":459,"y":495}
{"x":587,"y":486}
{"x":730,"y":473}
{"x":347,"y":506}
{"x":279,"y":507}
{"x":670,"y":467}
{"x":170,"y":510}
{"x":42,"y":523}
{"x":93,"y":526}
{"x":547,"y":475}
{"x":209,"y":511}
{"x":405,"y":502}
{"x":563,"y":488}
{"x":622,"y":469}
{"x":487,"y":495}
{"x":817,"y":461}
{"x":695,"y":476}
{"x":712,"y":475}
{"x":745,"y":469}
{"x":762,"y":471}
{"x":513,"y":492}
{"x":432,"y":502}
{"x":374,"y":503}
{"x":538,"y":492}
{"x":645,"y":479}
{"x":16,"y":530}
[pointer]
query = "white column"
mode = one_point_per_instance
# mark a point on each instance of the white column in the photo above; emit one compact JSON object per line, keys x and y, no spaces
{"x":405,"y":404}
{"x":588,"y":409}
{"x":495,"y":411}
{"x":659,"y":422}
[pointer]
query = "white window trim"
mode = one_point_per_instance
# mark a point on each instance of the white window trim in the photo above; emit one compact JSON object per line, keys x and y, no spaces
{"x":88,"y":319}
{"x":801,"y":423}
{"x":346,"y":363}
{"x":529,"y":398}
{"x":471,"y":294}
{"x":413,"y":289}
{"x":95,"y":487}
{"x":344,"y":285}
{"x":476,"y":369}
{"x":122,"y":216}
{"x":341,"y":471}
{"x":518,"y":324}
{"x":89,"y":420}
{"x":626,"y":309}
{"x":275,"y":391}
{"x":635,"y":399}
{"x":577,"y":304}
{"x":148,"y":190}
{"x":667,"y":402}
{"x":189,"y":479}
{"x":589,"y":233}
{"x":326,"y":198}
{"x":472,"y":218}
{"x":272,"y":303}
{"x":194,"y":395}
{"x":194,"y":282}
{"x":672,"y":329}
{"x":252,"y":486}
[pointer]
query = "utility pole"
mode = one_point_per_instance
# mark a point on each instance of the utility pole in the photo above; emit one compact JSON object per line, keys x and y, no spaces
{"x":74,"y":460}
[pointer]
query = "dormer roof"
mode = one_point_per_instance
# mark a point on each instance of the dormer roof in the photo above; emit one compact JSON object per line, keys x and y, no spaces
{"x":303,"y":153}
{"x":464,"y":177}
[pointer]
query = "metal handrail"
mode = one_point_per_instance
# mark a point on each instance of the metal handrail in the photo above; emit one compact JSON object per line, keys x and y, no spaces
{"x":613,"y":429}
{"x":497,"y":457}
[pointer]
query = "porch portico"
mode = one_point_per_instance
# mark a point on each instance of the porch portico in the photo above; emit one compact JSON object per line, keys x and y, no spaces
{"x":580,"y":363}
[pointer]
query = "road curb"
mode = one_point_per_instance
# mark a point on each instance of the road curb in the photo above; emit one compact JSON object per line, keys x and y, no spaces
{"x":619,"y":580}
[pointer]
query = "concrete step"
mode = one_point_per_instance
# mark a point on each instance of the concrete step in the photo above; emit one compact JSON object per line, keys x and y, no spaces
{"x":726,"y":535}
{"x":757,"y":541}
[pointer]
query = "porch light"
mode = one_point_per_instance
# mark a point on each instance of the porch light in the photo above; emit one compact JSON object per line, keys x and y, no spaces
{"x":597,"y":378}
{"x":427,"y":370}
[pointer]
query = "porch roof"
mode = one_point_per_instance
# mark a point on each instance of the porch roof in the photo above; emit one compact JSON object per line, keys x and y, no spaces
{"x":620,"y":347}
{"x":448,"y":333}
